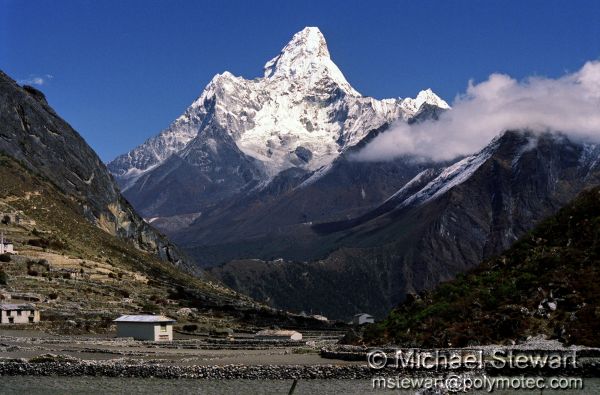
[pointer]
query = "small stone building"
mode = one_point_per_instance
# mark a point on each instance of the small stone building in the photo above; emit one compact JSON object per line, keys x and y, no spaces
{"x":275,"y":334}
{"x":363,"y":318}
{"x":18,"y":314}
{"x":145,"y":327}
{"x":6,"y":246}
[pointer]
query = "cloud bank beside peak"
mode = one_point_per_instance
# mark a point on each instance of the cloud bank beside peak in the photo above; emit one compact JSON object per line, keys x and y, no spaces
{"x":569,"y":104}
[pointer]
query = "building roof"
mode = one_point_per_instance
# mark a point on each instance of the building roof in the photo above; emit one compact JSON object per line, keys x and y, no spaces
{"x":144,"y":318}
{"x":277,"y":333}
{"x":363,"y":314}
{"x":14,"y":306}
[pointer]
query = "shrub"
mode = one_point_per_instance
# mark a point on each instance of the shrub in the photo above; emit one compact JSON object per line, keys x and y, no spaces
{"x":3,"y":277}
{"x":5,"y":258}
{"x":154,"y":297}
{"x":150,"y":308}
{"x":42,"y":243}
{"x":44,"y":263}
{"x":190,"y":328}
{"x":58,"y":244}
{"x":53,"y":296}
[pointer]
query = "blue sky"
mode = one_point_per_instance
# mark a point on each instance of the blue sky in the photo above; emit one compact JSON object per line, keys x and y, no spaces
{"x":120,"y":71}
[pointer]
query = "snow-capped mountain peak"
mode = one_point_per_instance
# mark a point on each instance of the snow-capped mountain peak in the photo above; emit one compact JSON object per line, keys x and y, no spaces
{"x":308,"y":44}
{"x":307,"y":57}
{"x":301,"y":114}
{"x":425,"y":96}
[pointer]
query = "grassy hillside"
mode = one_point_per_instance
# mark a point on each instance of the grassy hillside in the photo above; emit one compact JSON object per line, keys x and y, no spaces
{"x":85,"y":277}
{"x":547,"y":283}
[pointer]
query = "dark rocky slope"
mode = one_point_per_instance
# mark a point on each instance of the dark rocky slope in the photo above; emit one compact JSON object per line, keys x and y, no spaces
{"x":274,"y":220}
{"x":546,"y":283}
{"x":32,"y":133}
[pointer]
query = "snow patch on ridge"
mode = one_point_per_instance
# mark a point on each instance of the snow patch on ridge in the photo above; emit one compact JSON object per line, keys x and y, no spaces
{"x":450,"y":177}
{"x":414,"y":181}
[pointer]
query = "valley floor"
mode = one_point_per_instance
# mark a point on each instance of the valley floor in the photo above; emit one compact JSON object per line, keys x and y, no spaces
{"x":185,"y":350}
{"x":42,"y":363}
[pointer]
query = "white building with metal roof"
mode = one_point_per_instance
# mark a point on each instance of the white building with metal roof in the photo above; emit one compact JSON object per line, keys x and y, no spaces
{"x":363,"y":318}
{"x":145,"y":327}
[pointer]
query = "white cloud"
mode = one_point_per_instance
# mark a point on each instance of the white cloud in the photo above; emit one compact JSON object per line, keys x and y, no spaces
{"x":569,"y":104}
{"x":36,"y":79}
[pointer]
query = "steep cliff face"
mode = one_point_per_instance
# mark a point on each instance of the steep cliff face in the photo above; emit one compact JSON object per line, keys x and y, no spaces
{"x":32,"y":133}
{"x":441,"y":223}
